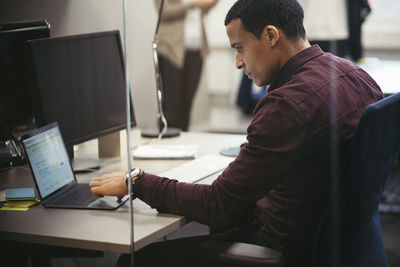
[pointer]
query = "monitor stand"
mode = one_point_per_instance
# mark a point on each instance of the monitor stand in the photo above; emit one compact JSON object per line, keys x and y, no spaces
{"x":83,"y":165}
{"x":108,"y":146}
{"x":153,"y":133}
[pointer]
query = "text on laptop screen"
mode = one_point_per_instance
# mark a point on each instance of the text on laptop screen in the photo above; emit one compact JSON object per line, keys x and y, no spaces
{"x":49,"y":161}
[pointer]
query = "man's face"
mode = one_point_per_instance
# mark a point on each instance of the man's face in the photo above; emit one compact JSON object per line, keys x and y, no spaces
{"x":254,"y":56}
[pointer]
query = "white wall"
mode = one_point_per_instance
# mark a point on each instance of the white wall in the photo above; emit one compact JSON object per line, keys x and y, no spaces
{"x":222,"y":76}
{"x":68,"y":17}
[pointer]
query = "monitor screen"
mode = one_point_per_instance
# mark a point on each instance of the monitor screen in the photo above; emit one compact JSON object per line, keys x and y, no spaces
{"x":79,"y":82}
{"x":16,"y":111}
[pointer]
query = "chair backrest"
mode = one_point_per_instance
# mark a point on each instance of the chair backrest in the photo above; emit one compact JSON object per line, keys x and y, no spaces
{"x":350,"y":232}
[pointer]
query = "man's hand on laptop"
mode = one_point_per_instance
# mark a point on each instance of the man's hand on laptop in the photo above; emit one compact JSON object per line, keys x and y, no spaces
{"x":112,"y":184}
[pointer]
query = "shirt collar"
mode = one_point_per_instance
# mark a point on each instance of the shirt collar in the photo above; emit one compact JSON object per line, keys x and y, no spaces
{"x":290,"y":67}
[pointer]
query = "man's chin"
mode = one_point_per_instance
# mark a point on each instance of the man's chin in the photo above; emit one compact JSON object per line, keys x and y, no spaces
{"x":259,"y":84}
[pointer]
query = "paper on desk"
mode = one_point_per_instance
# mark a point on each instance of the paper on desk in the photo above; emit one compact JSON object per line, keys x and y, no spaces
{"x":154,"y":151}
{"x":22,"y":205}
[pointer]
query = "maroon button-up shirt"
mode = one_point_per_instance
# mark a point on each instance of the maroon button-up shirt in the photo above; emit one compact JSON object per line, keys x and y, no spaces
{"x":282,"y":175}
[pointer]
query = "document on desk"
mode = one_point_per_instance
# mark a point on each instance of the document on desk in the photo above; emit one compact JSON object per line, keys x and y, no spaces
{"x":157,"y":151}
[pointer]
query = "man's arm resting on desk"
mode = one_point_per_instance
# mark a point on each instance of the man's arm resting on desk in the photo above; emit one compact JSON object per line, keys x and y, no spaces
{"x":206,"y":204}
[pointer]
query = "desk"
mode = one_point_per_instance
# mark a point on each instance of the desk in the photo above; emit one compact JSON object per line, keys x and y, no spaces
{"x":96,"y":229}
{"x":385,"y":72}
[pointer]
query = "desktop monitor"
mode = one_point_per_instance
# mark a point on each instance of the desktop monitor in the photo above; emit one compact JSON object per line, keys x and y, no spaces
{"x":79,"y":82}
{"x":16,"y":111}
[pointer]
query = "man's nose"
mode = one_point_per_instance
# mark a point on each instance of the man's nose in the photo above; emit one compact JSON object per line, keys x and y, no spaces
{"x":239,"y":62}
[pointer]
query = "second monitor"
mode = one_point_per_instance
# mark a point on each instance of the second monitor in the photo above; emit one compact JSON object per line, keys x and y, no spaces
{"x":79,"y":82}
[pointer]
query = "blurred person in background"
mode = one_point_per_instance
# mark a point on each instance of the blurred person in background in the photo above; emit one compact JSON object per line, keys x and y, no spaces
{"x":182,"y":48}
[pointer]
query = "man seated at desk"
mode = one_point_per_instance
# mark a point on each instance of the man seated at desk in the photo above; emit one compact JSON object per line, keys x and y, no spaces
{"x":275,"y":191}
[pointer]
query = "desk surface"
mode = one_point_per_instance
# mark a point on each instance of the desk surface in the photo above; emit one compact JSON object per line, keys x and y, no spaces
{"x":96,"y":229}
{"x":385,"y":72}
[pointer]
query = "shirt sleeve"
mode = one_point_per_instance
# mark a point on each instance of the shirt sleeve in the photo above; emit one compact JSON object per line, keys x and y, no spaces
{"x":273,"y":138}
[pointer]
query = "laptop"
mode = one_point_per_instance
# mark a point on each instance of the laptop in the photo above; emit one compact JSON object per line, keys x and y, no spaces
{"x":55,"y":181}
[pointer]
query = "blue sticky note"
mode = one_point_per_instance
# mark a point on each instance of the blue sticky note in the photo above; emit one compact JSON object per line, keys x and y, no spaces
{"x":20,"y":193}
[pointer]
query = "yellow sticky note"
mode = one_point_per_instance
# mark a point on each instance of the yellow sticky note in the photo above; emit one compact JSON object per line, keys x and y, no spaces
{"x":19,"y":205}
{"x":14,"y":208}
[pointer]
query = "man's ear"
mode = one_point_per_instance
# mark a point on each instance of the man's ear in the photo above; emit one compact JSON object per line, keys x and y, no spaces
{"x":273,"y":35}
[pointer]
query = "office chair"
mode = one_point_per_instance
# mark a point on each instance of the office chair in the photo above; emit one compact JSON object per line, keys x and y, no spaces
{"x":349,"y":234}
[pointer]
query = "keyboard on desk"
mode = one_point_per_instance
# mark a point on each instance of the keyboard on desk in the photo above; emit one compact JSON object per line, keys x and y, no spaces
{"x":197,"y":169}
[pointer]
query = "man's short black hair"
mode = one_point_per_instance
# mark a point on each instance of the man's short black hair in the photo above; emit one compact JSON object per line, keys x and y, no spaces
{"x":286,"y":15}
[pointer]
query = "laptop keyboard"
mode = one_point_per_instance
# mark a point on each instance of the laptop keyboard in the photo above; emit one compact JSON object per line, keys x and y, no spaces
{"x":79,"y":195}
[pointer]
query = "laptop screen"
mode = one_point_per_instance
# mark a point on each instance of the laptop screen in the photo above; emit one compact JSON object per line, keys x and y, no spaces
{"x":49,"y":160}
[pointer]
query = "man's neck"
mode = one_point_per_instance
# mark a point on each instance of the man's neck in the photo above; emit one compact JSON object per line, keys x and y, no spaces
{"x":292,"y":48}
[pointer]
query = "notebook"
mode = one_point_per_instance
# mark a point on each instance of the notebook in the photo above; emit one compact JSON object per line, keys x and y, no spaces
{"x":55,"y":181}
